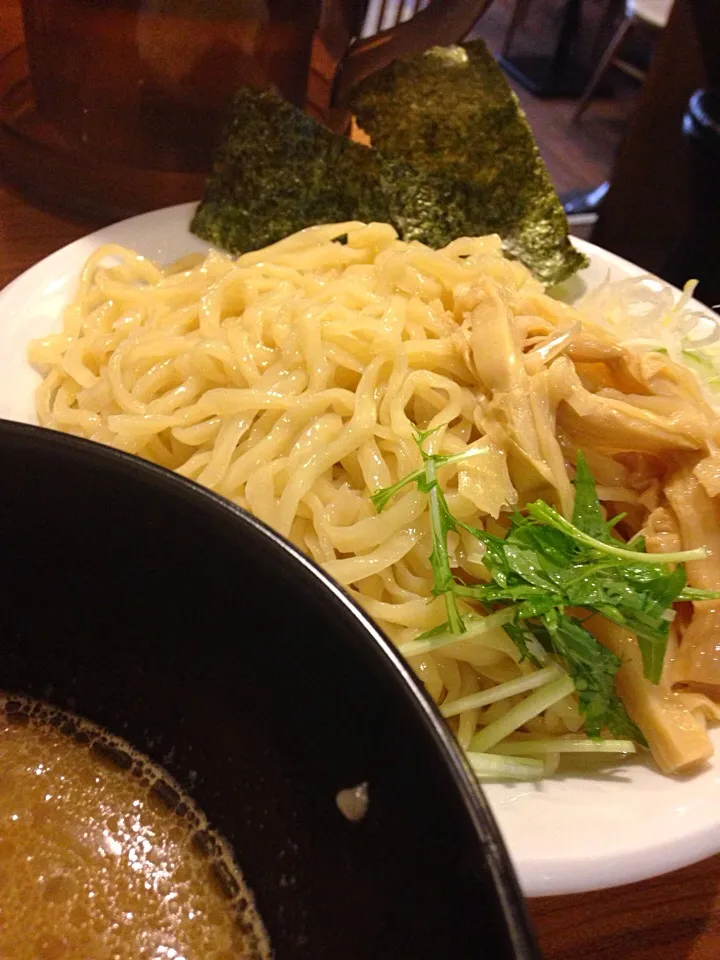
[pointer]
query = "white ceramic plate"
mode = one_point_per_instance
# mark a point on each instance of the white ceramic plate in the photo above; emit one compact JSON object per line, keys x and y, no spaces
{"x":569,"y":834}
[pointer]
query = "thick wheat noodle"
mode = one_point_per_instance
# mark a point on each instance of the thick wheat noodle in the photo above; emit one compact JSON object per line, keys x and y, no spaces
{"x":293,"y":379}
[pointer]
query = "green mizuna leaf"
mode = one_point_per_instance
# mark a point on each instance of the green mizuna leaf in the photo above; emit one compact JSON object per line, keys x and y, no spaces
{"x":593,"y":668}
{"x":587,"y":515}
{"x":543,"y":513}
{"x":545,"y":565}
{"x":522,"y":637}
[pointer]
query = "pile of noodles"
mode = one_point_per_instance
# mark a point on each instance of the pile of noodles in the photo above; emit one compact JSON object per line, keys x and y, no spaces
{"x":293,"y":379}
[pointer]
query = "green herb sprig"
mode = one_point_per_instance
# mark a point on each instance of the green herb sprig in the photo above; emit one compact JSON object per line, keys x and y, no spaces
{"x":442,"y":522}
{"x":546,"y":565}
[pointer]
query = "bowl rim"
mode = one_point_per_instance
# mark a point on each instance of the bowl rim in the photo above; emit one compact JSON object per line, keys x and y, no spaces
{"x":510,"y":897}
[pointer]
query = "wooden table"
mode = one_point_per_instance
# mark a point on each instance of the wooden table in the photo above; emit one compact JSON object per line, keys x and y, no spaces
{"x":676,"y":917}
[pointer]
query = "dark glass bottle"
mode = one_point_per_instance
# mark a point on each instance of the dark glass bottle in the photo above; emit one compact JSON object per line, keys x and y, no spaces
{"x":698,"y":254}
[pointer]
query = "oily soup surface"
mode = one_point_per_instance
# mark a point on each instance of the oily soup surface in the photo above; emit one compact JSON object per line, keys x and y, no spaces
{"x":94,"y":864}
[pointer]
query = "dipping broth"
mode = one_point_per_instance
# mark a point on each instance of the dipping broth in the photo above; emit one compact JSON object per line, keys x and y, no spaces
{"x":101,"y":858}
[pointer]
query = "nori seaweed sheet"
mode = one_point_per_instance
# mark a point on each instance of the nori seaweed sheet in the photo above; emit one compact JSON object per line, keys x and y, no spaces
{"x":450,"y":110}
{"x":278,"y":170}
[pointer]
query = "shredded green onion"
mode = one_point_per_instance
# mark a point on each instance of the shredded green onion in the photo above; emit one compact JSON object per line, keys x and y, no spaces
{"x":474,"y":628}
{"x":490,"y":766}
{"x":517,"y":716}
{"x":514,"y":748}
{"x":502,"y":691}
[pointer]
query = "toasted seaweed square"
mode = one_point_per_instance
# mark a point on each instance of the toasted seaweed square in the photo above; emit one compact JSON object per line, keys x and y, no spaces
{"x":452,"y":156}
{"x":451,"y":111}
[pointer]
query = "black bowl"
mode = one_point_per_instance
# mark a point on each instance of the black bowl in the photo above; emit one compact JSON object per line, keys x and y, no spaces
{"x":164,"y":613}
